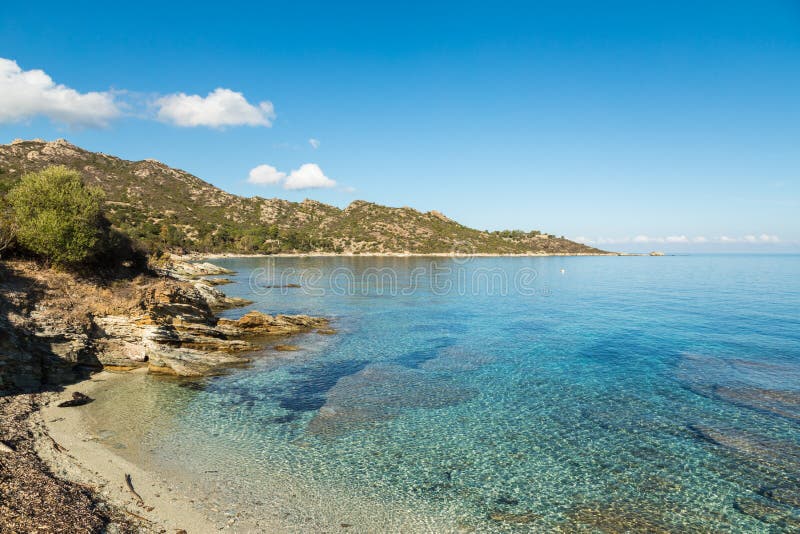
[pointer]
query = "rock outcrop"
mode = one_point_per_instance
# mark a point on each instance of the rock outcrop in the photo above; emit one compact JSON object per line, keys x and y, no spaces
{"x":183,"y":270}
{"x":195,"y":274}
{"x":54,"y":326}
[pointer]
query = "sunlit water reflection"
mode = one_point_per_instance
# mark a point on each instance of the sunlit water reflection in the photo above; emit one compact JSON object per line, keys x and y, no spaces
{"x":647,"y":394}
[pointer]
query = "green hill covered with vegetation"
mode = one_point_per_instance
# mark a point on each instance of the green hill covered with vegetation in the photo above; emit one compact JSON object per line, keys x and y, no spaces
{"x":166,"y":208}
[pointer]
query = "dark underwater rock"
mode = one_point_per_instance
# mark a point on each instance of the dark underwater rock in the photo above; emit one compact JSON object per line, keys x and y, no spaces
{"x":783,"y":455}
{"x":789,"y":495}
{"x":78,"y":399}
{"x":379,"y":392}
{"x":774,"y":401}
{"x":768,"y":512}
{"x":613,"y":519}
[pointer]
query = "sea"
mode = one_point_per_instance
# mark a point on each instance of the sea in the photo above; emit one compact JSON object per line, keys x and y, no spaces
{"x":492,"y":394}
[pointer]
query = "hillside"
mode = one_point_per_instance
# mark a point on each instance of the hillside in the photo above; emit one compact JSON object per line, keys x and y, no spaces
{"x":169,"y":208}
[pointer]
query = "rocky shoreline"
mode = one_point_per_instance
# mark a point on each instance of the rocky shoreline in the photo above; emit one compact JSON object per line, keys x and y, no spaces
{"x":58,"y":328}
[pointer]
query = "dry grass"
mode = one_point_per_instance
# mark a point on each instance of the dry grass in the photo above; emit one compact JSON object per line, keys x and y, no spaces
{"x":73,"y":297}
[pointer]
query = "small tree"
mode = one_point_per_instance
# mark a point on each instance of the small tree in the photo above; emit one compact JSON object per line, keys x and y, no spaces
{"x":57,"y":216}
{"x":170,"y":236}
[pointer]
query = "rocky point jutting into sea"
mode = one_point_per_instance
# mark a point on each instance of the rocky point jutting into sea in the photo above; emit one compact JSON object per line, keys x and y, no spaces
{"x":57,"y":328}
{"x":57,"y":325}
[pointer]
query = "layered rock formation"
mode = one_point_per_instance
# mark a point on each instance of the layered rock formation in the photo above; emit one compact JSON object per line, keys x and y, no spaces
{"x":55,"y":326}
{"x":197,"y":274}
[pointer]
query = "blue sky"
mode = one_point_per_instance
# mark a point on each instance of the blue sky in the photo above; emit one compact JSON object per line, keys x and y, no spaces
{"x":634,"y":125}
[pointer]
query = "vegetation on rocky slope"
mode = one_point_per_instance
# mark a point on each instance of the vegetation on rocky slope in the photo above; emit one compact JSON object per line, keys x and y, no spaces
{"x":56,"y":216}
{"x":166,"y":208}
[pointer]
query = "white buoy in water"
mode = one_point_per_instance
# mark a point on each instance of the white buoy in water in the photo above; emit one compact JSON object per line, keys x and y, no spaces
{"x":563,"y":271}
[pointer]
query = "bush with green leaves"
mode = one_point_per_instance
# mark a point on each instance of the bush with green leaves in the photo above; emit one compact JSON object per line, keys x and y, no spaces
{"x":57,"y":217}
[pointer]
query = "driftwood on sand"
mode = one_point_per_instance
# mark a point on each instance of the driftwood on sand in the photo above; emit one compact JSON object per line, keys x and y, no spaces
{"x":57,"y":446}
{"x":129,"y":483}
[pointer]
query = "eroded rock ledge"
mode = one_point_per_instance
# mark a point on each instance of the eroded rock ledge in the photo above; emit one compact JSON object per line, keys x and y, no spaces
{"x":177,"y":333}
{"x":54,"y":325}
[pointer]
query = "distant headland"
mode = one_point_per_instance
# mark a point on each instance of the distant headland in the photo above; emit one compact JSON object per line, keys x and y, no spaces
{"x":169,"y":209}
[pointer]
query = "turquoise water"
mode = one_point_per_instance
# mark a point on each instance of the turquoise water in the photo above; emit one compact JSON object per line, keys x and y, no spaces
{"x":502,"y":394}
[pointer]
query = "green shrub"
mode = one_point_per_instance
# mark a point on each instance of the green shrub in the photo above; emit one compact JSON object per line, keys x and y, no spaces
{"x":57,"y":216}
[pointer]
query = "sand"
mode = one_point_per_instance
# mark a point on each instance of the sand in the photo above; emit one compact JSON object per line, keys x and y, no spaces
{"x":171,"y":505}
{"x":89,"y":462}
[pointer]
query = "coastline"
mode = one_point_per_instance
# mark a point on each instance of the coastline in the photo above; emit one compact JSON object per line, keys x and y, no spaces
{"x":93,"y":454}
{"x":90,"y":463}
{"x":53,"y":468}
{"x":198,"y":256}
{"x":73,"y":447}
{"x":33,"y":497}
{"x":176,"y":501}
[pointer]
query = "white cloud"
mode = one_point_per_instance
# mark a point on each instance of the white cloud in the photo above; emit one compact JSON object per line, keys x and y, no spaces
{"x":220,"y":108}
{"x":766,"y":238}
{"x":314,"y":143}
{"x":677,"y":239}
{"x":27,"y":93}
{"x":308,"y":176}
{"x":647,"y":239}
{"x":265,"y":175}
{"x":750,"y":238}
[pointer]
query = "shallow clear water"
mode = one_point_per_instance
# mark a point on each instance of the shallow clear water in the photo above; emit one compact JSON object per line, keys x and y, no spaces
{"x":497,"y":394}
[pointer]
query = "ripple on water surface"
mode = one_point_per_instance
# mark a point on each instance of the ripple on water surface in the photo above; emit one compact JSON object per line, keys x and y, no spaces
{"x":639,"y":394}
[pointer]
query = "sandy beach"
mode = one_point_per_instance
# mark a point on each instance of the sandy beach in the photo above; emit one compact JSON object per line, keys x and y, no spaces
{"x":91,"y":463}
{"x":175,"y":502}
